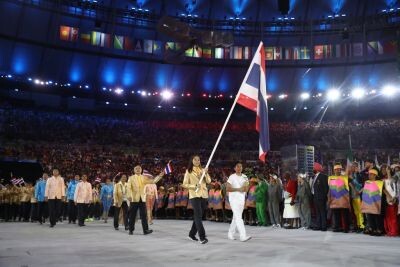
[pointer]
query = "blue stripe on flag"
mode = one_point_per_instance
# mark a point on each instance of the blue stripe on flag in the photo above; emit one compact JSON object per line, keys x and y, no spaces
{"x":254,"y":76}
{"x":264,"y":124}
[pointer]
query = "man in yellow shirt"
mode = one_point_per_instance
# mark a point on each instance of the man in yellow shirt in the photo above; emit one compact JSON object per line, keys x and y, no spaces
{"x":137,"y":198}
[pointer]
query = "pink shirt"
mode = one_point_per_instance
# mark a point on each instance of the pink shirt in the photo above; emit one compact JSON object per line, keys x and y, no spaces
{"x":55,"y":188}
{"x":83,"y":193}
{"x":151,"y":190}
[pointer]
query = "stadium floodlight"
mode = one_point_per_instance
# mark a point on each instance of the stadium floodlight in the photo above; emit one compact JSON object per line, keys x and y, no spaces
{"x":389,"y":90}
{"x":282,"y":96}
{"x":167,"y":94}
{"x":333,"y":94}
{"x":304,"y":96}
{"x":358,"y":93}
{"x":119,"y":91}
{"x":143,"y":93}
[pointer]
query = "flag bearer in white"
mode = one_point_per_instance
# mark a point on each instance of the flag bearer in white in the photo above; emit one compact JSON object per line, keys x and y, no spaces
{"x":237,"y":186}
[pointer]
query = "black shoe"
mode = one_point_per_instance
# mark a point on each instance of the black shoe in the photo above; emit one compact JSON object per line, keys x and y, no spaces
{"x":317,"y":229}
{"x":126,"y":228}
{"x":74,"y":222}
{"x":323,"y":229}
{"x":130,"y":232}
{"x":116,"y":228}
{"x":147,"y":232}
{"x":82,"y":225}
{"x":337,"y":230}
{"x":193,"y":238}
{"x":51,"y":226}
{"x":204,"y":241}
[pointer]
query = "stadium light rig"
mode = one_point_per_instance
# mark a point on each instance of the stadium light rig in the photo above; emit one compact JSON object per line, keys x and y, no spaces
{"x":333,"y":94}
{"x":166,"y":94}
{"x":389,"y":90}
{"x":119,"y":91}
{"x":304,"y":96}
{"x":358,"y":93}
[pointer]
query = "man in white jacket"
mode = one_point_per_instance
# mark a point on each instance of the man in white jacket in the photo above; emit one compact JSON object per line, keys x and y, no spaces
{"x":83,"y":197}
{"x":237,"y":186}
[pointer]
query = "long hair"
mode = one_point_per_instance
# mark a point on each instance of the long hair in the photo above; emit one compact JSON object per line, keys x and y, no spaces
{"x":190,"y":165}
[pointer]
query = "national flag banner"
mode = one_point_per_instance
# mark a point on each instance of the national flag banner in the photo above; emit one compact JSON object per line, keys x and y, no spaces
{"x":169,"y":46}
{"x":253,"y":95}
{"x":372,"y":197}
{"x":139,"y":45}
{"x":198,"y":51}
{"x":189,"y":52}
{"x":65,"y":33}
{"x":85,"y":37}
{"x":318,"y":52}
{"x":74,"y":34}
{"x":246,"y":52}
{"x":13,"y":180}
{"x":296,"y":52}
{"x":269,"y":53}
{"x":207,"y":52}
{"x":227,"y":52}
{"x":147,"y":174}
{"x":237,"y":52}
{"x":374,"y":48}
{"x":105,"y":40}
{"x":168,"y":168}
{"x":157,"y":48}
{"x":219,"y":53}
{"x":339,"y":197}
{"x":278,"y":53}
{"x":304,"y":53}
{"x":358,"y":49}
{"x":390,"y":47}
{"x":148,"y":46}
{"x":96,"y":36}
{"x":119,"y":42}
{"x":327,"y":51}
{"x":97,"y":180}
{"x":288,"y":53}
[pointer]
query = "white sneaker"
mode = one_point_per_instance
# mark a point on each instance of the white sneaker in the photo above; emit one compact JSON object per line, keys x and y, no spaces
{"x":274,"y":226}
{"x":278,"y":226}
{"x":231,"y":237}
{"x":247,"y":238}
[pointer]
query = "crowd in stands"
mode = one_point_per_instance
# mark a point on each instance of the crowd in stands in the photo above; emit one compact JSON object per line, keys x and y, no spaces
{"x":107,"y":148}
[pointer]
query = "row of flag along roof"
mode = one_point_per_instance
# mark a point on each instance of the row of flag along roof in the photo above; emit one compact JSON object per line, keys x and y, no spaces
{"x":235,"y":52}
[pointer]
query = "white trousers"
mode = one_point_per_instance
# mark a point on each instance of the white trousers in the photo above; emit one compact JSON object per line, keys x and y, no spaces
{"x":237,"y":206}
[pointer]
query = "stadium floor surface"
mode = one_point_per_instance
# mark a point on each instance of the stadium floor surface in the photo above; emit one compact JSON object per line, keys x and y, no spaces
{"x":98,"y":244}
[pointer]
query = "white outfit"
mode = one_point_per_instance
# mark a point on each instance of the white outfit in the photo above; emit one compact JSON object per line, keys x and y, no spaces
{"x":237,"y":201}
{"x":290,"y":212}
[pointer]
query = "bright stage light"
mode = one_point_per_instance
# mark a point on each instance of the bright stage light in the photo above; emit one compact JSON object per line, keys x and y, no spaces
{"x":37,"y":81}
{"x":119,"y":91}
{"x":389,"y":90}
{"x":282,"y":96}
{"x":143,"y":93}
{"x":333,"y":95}
{"x":358,"y":93}
{"x":167,"y":95}
{"x":107,"y":103}
{"x":305,"y":96}
{"x":126,"y":104}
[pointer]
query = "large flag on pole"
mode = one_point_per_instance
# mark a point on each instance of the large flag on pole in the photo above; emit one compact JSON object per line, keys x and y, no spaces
{"x":253,"y":95}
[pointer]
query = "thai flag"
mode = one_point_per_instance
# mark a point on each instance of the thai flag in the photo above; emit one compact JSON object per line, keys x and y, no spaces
{"x":97,"y":180}
{"x":13,"y":180}
{"x":20,"y":181}
{"x":168,"y":168}
{"x":253,"y":95}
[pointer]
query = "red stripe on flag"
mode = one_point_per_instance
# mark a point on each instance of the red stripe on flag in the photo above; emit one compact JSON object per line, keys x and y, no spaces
{"x":247,"y":102}
{"x":263,"y":156}
{"x":262,"y":51}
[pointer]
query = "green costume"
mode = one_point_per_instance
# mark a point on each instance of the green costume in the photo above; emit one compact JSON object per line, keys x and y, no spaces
{"x":261,"y":202}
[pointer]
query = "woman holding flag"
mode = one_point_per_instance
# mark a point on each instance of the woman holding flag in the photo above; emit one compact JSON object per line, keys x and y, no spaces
{"x":198,"y":195}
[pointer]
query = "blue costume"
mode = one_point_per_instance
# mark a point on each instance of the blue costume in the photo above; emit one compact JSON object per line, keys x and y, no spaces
{"x":40,"y":190}
{"x":106,"y":196}
{"x":71,"y":189}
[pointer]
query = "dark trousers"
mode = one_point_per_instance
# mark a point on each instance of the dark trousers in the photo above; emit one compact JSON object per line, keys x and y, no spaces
{"x":199,"y":206}
{"x":7,"y":212}
{"x":71,"y":211}
{"x":33,"y":213}
{"x":143,"y":215}
{"x":124,"y":208}
{"x":55,"y":206}
{"x":43,"y":211}
{"x":82,"y":209}
{"x":26,"y":207}
{"x":339,"y":216}
{"x":320,"y":213}
{"x":15,"y":210}
{"x":375,"y":222}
